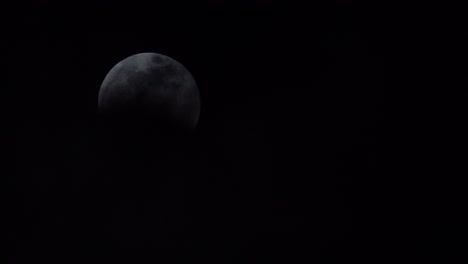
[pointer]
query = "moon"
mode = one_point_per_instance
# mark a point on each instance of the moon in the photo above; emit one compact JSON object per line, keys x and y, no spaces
{"x":151,"y":87}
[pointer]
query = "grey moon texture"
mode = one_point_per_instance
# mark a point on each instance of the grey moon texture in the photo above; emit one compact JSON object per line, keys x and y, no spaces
{"x":152,"y":86}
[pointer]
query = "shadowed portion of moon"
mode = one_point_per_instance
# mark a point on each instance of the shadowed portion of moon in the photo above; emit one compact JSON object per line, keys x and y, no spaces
{"x":148,"y":103}
{"x":152,"y":88}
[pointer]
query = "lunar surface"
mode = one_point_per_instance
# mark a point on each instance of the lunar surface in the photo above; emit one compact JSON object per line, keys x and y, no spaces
{"x":151,"y":87}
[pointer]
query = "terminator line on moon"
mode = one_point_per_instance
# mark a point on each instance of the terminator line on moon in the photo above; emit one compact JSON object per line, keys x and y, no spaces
{"x":151,"y":85}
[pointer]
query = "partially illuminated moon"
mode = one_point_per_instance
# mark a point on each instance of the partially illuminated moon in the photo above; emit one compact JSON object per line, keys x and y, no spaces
{"x":151,"y":86}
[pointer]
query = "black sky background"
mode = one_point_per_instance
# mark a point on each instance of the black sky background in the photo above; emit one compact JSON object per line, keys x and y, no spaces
{"x":327,"y":133}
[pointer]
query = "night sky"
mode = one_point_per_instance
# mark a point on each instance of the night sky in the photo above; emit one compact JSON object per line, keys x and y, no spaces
{"x":328,"y":134}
